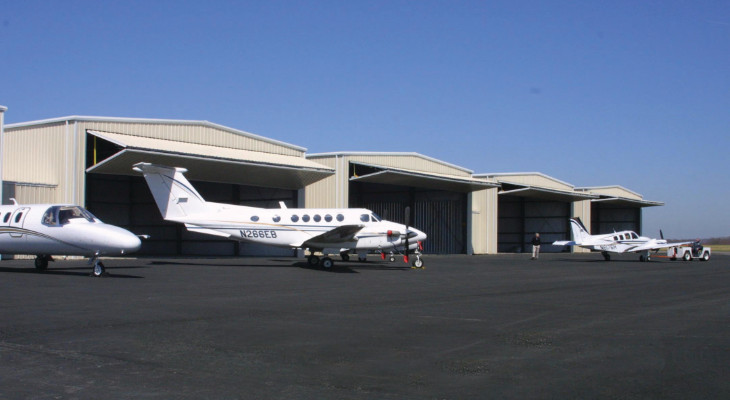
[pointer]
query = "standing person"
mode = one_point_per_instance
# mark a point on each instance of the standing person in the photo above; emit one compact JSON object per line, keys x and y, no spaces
{"x":536,"y":246}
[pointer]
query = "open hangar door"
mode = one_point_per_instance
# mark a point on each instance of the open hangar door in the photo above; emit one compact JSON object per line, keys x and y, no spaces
{"x":439,"y":206}
{"x":610,"y":214}
{"x":119,"y":196}
{"x":523,"y":211}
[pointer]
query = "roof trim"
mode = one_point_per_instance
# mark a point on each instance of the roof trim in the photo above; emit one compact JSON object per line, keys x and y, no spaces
{"x":79,"y":118}
{"x":641,"y":203}
{"x":387,"y":154}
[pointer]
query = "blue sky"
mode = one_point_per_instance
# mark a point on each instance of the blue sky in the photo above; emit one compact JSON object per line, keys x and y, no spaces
{"x":634,"y":93}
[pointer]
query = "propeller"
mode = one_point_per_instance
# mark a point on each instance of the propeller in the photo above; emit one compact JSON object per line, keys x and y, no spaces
{"x":408,"y":221}
{"x":661,"y":234}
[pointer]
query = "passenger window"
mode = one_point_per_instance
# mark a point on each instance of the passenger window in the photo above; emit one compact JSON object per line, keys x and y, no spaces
{"x":340,"y":217}
{"x":305,"y":217}
{"x":18,"y":217}
{"x":634,"y":235}
{"x":615,"y":238}
{"x":294,"y":218}
{"x":276,"y":218}
{"x":7,"y":218}
{"x":255,"y":218}
{"x":317,"y":217}
{"x":328,"y":218}
{"x":365,"y":218}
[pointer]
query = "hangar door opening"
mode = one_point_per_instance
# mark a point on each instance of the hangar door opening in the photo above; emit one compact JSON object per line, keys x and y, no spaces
{"x":440,"y":214}
{"x":127,"y":201}
{"x":520,"y":217}
{"x":607,"y":217}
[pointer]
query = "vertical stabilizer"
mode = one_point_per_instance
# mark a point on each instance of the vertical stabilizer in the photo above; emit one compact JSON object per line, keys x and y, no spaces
{"x":580,"y":233}
{"x":173,"y":193}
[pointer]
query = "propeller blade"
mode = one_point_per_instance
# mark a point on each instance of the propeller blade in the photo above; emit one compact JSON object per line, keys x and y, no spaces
{"x":408,"y":220}
{"x":661,"y":234}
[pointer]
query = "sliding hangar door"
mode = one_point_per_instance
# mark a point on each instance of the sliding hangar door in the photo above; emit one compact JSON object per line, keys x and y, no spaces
{"x":117,"y":195}
{"x":436,"y":193}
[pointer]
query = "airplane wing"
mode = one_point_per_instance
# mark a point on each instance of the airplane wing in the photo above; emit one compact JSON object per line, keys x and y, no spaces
{"x":341,"y":234}
{"x":655,"y":246}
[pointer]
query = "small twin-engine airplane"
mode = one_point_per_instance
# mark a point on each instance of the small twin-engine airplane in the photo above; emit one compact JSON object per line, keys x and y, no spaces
{"x":329,"y":231}
{"x":617,"y":242}
{"x":62,"y":229}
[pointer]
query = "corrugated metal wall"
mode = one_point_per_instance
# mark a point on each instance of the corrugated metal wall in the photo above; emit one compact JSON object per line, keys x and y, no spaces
{"x":520,"y":218}
{"x":606,"y":218}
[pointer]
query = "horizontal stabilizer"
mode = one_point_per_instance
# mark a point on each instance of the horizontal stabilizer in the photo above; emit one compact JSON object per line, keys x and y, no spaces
{"x":564,"y":243}
{"x":206,"y":231}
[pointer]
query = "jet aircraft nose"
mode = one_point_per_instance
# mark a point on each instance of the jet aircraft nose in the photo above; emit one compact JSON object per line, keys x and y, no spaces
{"x":113,"y":240}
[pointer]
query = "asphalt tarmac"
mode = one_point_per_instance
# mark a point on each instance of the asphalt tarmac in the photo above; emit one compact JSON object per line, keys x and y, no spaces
{"x":567,"y":326}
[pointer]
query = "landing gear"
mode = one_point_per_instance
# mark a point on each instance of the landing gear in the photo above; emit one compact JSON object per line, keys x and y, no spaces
{"x":418,"y":262}
{"x":98,"y":267}
{"x":313,"y":260}
{"x":645,"y":257}
{"x":606,"y":256}
{"x":345,"y":256}
{"x":41,"y":262}
{"x":327,"y":263}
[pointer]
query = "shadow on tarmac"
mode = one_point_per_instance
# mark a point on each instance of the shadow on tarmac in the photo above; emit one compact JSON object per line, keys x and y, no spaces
{"x":78,"y":271}
{"x":340,"y":267}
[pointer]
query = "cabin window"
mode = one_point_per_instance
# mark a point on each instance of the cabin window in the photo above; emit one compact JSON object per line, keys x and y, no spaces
{"x":615,"y":238}
{"x":634,"y":235}
{"x":7,"y":218}
{"x":365,"y":218}
{"x":328,"y":218}
{"x":276,"y":218}
{"x":340,"y":217}
{"x":294,"y":218}
{"x":18,"y":217}
{"x":305,"y":217}
{"x":255,"y":218}
{"x":317,"y":217}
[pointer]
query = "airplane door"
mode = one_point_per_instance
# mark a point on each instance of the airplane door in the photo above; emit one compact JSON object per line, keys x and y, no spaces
{"x":17,"y":220}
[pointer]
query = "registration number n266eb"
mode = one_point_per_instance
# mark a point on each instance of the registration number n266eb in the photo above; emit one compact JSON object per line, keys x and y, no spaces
{"x":258,"y":234}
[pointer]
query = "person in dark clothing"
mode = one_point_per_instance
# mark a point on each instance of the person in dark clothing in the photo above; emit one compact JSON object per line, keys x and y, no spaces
{"x":536,"y":246}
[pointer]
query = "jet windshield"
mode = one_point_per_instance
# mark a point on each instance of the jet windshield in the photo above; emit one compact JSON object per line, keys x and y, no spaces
{"x":62,"y":215}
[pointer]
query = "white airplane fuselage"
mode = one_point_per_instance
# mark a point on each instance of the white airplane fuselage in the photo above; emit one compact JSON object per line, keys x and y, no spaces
{"x":330,"y":231}
{"x":60,"y":229}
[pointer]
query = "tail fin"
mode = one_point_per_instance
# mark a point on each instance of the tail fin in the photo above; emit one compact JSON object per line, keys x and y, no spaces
{"x":580,"y":233}
{"x":173,"y":193}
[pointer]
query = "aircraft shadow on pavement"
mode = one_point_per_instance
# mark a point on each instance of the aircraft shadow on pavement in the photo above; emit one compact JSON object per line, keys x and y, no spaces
{"x":75,"y":271}
{"x":339,"y":267}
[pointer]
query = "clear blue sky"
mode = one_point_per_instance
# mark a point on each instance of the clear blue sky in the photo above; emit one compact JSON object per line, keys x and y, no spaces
{"x":635,"y":93}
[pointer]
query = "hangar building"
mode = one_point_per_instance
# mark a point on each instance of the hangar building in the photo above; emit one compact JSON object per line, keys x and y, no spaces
{"x":88,"y":160}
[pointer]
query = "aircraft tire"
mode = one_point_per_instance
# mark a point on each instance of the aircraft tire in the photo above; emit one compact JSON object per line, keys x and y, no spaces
{"x":606,"y":256}
{"x":418,"y":263}
{"x":327,"y":263}
{"x":98,"y":269}
{"x":313,"y":261}
{"x":41,"y":263}
{"x":345,"y":257}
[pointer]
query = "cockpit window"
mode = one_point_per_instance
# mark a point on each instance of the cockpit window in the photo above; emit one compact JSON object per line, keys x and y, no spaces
{"x":62,"y":215}
{"x":634,"y":235}
{"x":365,"y":218}
{"x":375,"y":217}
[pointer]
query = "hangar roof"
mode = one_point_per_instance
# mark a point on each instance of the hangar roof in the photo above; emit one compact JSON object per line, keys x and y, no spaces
{"x":407,"y":160}
{"x":210,"y":163}
{"x":537,"y":185}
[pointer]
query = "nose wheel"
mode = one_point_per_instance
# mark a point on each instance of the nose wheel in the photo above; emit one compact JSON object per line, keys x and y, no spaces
{"x":97,"y":266}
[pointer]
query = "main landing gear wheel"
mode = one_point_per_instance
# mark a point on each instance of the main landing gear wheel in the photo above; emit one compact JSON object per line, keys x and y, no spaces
{"x":362,"y":257}
{"x":606,"y":256}
{"x":313,"y":260}
{"x":644,"y":258}
{"x":327,"y":263}
{"x":344,"y":256}
{"x":41,"y":263}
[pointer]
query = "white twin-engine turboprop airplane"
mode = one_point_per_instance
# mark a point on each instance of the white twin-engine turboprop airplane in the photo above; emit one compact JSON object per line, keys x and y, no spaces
{"x":329,"y":231}
{"x":617,"y":242}
{"x":62,"y":229}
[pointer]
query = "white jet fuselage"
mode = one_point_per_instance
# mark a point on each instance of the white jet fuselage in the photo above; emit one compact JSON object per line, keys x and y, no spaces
{"x":60,"y":229}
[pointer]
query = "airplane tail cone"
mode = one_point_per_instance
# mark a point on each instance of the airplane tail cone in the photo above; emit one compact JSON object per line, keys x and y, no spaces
{"x":173,"y":193}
